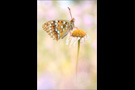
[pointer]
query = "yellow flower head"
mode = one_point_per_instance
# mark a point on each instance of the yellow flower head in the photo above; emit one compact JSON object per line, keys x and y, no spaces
{"x":76,"y":35}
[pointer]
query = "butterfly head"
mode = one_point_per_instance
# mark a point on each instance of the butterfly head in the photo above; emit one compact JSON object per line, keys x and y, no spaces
{"x":72,"y":23}
{"x":72,"y":20}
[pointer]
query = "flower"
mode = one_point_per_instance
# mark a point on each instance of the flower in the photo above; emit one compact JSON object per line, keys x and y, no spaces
{"x":75,"y":36}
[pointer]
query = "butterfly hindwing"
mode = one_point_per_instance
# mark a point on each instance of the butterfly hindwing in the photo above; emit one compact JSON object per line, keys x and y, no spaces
{"x":57,"y":28}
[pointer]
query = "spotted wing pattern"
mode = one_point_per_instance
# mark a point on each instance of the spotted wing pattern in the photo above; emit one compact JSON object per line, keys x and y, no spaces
{"x":57,"y":28}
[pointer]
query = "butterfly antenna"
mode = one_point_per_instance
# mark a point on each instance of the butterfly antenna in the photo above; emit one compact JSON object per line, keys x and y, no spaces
{"x":70,"y":12}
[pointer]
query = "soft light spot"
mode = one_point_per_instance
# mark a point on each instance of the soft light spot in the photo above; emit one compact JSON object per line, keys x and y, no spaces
{"x":64,"y":22}
{"x":55,"y":29}
{"x":58,"y":36}
{"x":56,"y":24}
{"x":56,"y":21}
{"x":51,"y":33}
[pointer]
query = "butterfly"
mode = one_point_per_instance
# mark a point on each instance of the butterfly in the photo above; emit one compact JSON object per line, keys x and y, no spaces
{"x":58,"y":29}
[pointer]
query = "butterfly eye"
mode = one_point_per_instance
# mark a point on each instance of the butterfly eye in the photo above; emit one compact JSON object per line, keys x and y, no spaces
{"x":72,"y":20}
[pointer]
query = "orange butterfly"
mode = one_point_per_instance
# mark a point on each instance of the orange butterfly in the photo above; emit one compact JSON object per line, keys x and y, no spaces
{"x":58,"y":29}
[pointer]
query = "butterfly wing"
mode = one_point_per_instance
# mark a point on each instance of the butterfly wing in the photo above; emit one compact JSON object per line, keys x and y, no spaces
{"x":57,"y":28}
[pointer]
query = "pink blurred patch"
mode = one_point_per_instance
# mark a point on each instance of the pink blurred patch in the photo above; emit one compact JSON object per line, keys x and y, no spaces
{"x":47,"y":4}
{"x":87,"y":20}
{"x":95,"y":21}
{"x":46,"y":10}
{"x":46,"y":81}
{"x":77,"y":11}
{"x":87,"y":5}
{"x":94,"y":44}
{"x":51,"y":13}
{"x":77,"y":21}
{"x":40,"y":13}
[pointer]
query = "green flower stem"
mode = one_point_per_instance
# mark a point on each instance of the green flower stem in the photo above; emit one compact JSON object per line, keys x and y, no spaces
{"x":77,"y":57}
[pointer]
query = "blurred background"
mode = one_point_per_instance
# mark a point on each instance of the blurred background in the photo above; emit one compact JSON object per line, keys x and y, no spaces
{"x":56,"y":62}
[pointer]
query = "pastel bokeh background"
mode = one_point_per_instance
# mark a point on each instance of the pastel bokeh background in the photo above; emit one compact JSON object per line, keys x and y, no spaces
{"x":55,"y":60}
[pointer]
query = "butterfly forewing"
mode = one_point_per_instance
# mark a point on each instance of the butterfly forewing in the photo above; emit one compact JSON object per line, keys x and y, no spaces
{"x":57,"y":28}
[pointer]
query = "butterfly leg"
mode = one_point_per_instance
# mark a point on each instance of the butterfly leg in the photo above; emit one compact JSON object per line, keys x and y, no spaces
{"x":76,"y":27}
{"x":70,"y":32}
